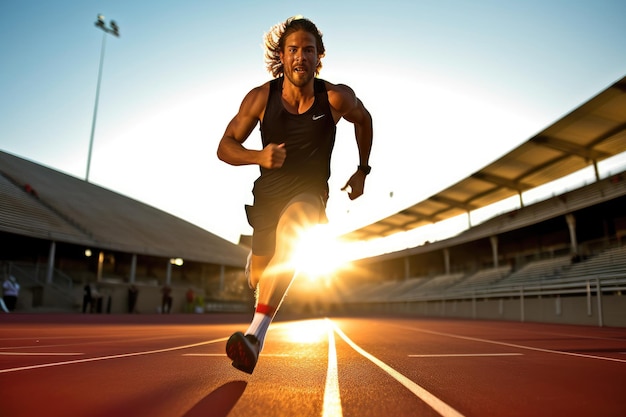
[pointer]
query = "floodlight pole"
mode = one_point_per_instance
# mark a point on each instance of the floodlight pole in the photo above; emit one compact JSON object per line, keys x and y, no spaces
{"x":114,"y":30}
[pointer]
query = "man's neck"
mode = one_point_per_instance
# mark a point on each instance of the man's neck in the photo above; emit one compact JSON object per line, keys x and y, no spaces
{"x":298,"y":99}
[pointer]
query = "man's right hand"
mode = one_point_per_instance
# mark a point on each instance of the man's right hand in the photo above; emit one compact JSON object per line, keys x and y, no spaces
{"x":273,"y":156}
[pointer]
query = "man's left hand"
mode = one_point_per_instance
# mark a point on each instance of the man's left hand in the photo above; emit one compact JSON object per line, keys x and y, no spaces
{"x":355,"y":185}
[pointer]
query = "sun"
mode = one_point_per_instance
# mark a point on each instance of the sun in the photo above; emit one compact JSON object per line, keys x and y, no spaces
{"x":318,"y":253}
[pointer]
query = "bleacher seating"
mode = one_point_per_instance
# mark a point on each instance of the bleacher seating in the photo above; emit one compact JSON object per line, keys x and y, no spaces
{"x":609,"y":262}
{"x":373,"y":291}
{"x":484,"y":277}
{"x":17,"y":201}
{"x":541,"y":270}
{"x":437,"y":283}
{"x":407,"y":286}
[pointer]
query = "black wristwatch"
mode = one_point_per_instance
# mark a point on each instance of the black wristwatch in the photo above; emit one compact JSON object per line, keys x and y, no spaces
{"x":366,"y":169}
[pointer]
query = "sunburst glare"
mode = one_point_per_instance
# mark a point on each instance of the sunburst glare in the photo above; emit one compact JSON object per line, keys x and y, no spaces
{"x":309,"y":331}
{"x":318,"y":253}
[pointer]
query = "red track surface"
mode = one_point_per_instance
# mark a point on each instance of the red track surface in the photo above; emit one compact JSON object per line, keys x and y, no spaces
{"x":175,"y":366}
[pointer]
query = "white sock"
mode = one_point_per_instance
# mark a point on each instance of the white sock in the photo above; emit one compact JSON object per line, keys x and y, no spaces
{"x":258,"y":327}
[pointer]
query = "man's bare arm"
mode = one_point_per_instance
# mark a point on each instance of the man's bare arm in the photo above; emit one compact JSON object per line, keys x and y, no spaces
{"x":348,"y":106}
{"x":363,"y":130}
{"x":231,"y":149}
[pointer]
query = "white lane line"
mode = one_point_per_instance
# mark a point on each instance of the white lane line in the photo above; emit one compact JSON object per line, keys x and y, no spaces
{"x":40,"y":354}
{"x":332,"y":397}
{"x":265,"y":355}
{"x":435,"y":403}
{"x":513,"y":345}
{"x":37,"y":344}
{"x":464,"y":355}
{"x":204,"y":354}
{"x":103,"y":358}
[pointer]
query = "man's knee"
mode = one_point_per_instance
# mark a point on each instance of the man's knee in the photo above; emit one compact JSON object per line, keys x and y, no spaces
{"x":258,"y":264}
{"x":298,"y":216}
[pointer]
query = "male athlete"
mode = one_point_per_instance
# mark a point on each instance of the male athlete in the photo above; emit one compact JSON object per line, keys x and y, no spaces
{"x":298,"y":114}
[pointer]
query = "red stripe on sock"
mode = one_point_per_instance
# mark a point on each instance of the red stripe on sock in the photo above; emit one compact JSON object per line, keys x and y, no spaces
{"x":265,"y":309}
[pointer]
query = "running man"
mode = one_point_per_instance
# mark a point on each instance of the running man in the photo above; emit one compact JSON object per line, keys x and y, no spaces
{"x":298,"y":113}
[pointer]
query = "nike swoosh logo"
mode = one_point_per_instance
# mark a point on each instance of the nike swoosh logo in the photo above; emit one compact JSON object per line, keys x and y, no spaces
{"x":318,"y":117}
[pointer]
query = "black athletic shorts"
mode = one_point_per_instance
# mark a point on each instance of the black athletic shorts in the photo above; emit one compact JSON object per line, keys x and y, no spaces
{"x":264,"y":220}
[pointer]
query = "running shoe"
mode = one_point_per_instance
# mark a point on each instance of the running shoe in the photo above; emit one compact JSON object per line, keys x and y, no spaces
{"x":244,"y":351}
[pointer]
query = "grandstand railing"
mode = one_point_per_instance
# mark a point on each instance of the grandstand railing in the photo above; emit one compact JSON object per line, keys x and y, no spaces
{"x":37,"y":274}
{"x":592,"y":286}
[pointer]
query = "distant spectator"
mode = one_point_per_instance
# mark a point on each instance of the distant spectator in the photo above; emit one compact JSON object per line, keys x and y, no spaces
{"x":190,"y":297}
{"x":11,"y":291}
{"x":92,"y":299}
{"x":109,"y":301}
{"x":166,"y":304}
{"x":133,"y":293}
{"x":30,"y":190}
{"x":199,"y":304}
{"x":87,"y":299}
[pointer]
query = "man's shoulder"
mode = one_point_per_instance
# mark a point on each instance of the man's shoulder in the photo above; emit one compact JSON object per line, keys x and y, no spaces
{"x":340,"y":96}
{"x":256,"y":98}
{"x":261,"y":89}
{"x":340,"y":89}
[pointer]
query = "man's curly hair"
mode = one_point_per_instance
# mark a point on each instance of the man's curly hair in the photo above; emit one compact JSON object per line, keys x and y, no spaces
{"x":275,"y":43}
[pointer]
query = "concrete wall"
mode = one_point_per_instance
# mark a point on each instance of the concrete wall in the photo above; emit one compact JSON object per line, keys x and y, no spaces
{"x":46,"y":299}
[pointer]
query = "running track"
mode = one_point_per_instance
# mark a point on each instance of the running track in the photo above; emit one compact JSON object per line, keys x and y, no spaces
{"x":171,"y":366}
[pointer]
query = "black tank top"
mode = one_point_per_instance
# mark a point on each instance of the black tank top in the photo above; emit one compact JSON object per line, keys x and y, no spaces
{"x":309,"y":139}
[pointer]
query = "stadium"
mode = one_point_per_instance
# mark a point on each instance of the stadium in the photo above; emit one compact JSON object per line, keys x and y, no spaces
{"x":560,"y":259}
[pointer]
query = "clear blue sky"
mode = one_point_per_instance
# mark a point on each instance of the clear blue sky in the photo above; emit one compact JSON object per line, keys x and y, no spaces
{"x":451,"y":85}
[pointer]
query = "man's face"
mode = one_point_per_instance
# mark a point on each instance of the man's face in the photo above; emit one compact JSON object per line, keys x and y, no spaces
{"x":299,"y":58}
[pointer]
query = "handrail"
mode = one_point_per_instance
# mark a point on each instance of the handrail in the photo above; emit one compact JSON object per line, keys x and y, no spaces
{"x":36,"y":274}
{"x":607,"y":283}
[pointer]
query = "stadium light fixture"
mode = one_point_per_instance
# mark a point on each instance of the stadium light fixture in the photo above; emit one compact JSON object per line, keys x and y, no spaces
{"x":112,"y":29}
{"x":168,"y":271}
{"x":176,"y":261}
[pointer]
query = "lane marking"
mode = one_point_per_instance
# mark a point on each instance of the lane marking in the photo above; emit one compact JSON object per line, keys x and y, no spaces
{"x":265,"y":355}
{"x":37,"y":345}
{"x":40,"y":354}
{"x":102,"y":358}
{"x":332,"y":397}
{"x":204,"y":354}
{"x":435,"y":403}
{"x":513,"y":345}
{"x":573,"y":335}
{"x":464,"y":355}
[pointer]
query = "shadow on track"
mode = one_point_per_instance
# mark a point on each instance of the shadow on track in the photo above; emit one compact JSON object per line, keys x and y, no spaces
{"x":219,"y":402}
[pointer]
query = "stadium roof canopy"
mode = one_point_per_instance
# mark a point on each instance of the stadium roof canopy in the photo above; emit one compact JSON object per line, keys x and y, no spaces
{"x":593,"y":132}
{"x":39,"y":202}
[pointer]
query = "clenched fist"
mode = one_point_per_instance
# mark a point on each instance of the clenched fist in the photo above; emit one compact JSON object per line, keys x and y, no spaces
{"x":273,"y":156}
